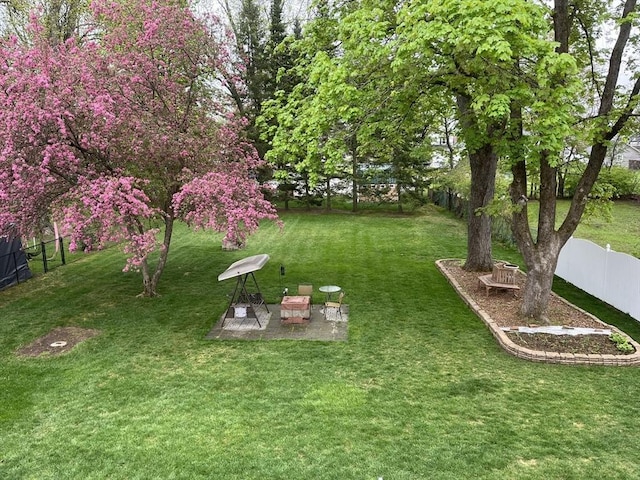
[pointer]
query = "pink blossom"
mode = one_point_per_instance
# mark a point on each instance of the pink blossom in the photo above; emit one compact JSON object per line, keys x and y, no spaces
{"x":127,"y":132}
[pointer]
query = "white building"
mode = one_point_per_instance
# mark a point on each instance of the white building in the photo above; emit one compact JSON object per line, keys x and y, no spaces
{"x":627,"y":155}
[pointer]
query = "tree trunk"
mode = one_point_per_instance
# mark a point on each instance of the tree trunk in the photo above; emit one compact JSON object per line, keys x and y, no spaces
{"x":537,"y":291}
{"x":354,"y":202}
{"x":562,"y":24}
{"x":307,"y":192}
{"x":150,"y":281}
{"x":562,"y":175}
{"x":353,"y":146}
{"x":147,"y":291}
{"x":540,"y":255}
{"x":484,"y":163}
{"x":328,"y":194}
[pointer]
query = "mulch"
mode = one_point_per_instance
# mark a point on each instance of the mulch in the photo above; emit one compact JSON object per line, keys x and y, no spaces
{"x":504,"y":309}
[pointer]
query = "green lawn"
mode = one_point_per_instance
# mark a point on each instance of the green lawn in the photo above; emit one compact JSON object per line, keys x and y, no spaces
{"x":420,"y":391}
{"x":621,"y":231}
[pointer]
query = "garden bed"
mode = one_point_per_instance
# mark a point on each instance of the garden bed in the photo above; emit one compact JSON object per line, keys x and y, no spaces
{"x":501,"y":312}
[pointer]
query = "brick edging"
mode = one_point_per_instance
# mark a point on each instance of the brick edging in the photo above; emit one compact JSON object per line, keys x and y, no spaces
{"x":537,"y":355}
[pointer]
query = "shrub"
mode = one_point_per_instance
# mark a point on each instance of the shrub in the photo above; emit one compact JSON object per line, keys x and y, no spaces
{"x":622,"y":342}
{"x":620,"y":182}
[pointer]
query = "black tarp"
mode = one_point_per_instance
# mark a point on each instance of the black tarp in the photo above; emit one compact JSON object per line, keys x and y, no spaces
{"x":13,"y":263}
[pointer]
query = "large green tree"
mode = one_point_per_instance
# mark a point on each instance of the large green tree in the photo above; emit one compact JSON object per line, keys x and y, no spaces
{"x":393,"y":68}
{"x":543,"y":68}
{"x":259,"y":30}
{"x":578,"y":29}
{"x":346,"y":113}
{"x":491,"y":56}
{"x":249,"y":26}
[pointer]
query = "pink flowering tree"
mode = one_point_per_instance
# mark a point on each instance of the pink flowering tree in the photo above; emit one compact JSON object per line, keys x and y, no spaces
{"x":124,"y":134}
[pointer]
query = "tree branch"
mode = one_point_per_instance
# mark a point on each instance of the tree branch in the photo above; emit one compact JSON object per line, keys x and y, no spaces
{"x":615,"y":60}
{"x":627,"y":112}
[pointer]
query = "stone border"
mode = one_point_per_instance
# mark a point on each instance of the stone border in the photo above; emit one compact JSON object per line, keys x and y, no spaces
{"x":542,"y":356}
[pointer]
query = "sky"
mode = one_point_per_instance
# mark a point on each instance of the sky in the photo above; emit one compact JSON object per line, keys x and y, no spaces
{"x":292,"y":8}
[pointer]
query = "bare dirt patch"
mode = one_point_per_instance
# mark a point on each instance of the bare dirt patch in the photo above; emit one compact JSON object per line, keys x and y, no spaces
{"x":58,"y":341}
{"x":504,"y":309}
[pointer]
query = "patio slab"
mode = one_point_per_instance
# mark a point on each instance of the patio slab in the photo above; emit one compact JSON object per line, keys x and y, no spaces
{"x":333,"y":329}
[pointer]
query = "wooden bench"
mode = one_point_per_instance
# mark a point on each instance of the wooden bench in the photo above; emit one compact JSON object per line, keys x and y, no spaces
{"x":504,"y":273}
{"x":503,"y":276}
{"x":488,"y":282}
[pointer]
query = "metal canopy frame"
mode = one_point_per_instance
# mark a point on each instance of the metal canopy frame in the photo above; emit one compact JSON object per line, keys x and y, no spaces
{"x":242,"y":270}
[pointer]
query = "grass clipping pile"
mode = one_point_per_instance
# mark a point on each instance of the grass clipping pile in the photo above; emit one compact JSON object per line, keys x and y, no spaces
{"x":58,"y":341}
{"x":504,"y":309}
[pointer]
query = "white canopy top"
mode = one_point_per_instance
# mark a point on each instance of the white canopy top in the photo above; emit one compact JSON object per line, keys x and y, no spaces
{"x":246,"y":265}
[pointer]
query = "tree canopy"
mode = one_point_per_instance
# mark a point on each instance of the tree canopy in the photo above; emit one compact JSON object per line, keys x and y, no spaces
{"x":347,"y":109}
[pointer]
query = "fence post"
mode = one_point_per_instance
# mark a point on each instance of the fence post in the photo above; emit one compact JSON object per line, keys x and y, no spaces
{"x":15,"y":266}
{"x":44,"y":257}
{"x":61,"y":243}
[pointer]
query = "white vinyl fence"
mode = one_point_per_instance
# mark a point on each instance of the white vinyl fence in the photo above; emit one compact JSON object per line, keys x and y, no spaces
{"x":613,"y":277}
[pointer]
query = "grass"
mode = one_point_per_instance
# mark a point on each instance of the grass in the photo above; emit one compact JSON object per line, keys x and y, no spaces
{"x":420,"y":390}
{"x":621,"y":231}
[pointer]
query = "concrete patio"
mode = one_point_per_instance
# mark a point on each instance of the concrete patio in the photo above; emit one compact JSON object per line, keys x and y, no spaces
{"x":334,"y":328}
